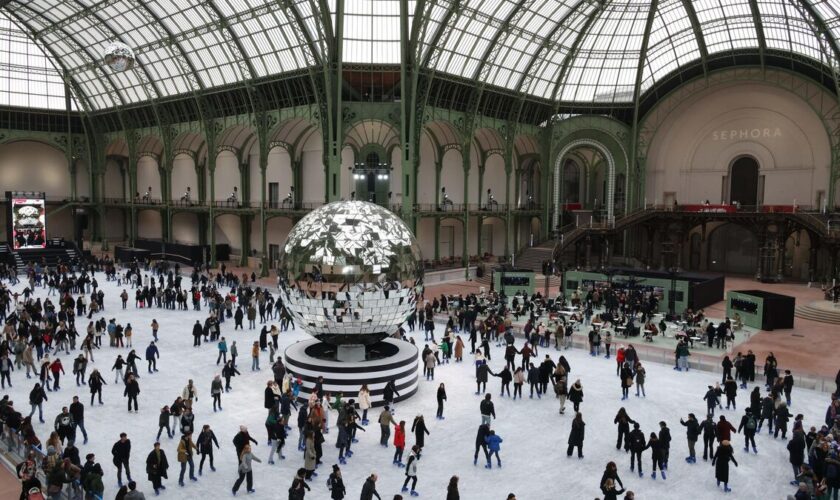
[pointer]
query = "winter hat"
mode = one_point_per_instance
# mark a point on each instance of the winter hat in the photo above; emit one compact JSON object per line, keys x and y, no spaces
{"x":242,"y":428}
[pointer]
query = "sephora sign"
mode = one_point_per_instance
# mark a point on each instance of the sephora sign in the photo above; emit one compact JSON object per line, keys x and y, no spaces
{"x":740,"y":134}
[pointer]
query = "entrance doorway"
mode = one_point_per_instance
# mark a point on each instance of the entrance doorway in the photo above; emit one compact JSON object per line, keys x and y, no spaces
{"x":743,"y":181}
{"x":273,"y":254}
{"x":273,"y":194}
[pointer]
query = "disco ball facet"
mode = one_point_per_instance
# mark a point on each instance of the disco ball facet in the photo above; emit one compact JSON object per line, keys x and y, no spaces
{"x":119,"y":56}
{"x":350,"y":273}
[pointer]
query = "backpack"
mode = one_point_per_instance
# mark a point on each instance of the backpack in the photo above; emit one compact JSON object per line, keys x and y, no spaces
{"x":750,"y":423}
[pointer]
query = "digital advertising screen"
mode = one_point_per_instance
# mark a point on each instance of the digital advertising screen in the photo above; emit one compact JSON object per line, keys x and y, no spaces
{"x":29,"y":223}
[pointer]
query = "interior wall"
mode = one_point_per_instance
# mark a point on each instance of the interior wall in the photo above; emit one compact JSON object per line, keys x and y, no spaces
{"x":113,"y":227}
{"x":694,"y":147}
{"x":279,"y":170}
{"x":183,"y":176}
{"x":494,"y":178}
{"x":426,"y":172}
{"x":498,"y":236}
{"x":149,"y":224}
{"x":82,"y":180}
{"x":33,"y":166}
{"x":228,"y":230}
{"x":452,"y":176}
{"x":314,"y":176}
{"x":113,"y":180}
{"x":226,"y":176}
{"x":148,"y":175}
{"x":185,"y":228}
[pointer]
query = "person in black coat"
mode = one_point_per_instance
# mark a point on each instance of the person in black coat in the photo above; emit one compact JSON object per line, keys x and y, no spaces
{"x":204,"y":443}
{"x":610,"y":472}
{"x":727,"y":369}
{"x":665,"y":442}
{"x":506,"y":377}
{"x":132,"y":389}
{"x":418,"y":427}
{"x":156,"y":467}
{"x":636,"y":440}
{"x":441,"y":397}
{"x":709,"y":429}
{"x":623,"y":420}
{"x":369,"y":488}
{"x":197,"y":332}
{"x":481,"y":373}
{"x":388,"y":393}
{"x":576,"y":436}
{"x":657,"y":455}
{"x":796,"y":453}
{"x":720,"y":460}
{"x":692,"y":432}
{"x":783,"y":416}
{"x":241,"y":439}
{"x":730,"y":388}
{"x":335,"y":483}
{"x":299,"y":487}
{"x":121,"y":452}
{"x":749,"y":424}
{"x":480,"y":443}
{"x":712,"y":401}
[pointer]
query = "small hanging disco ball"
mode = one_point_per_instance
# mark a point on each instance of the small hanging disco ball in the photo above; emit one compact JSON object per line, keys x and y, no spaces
{"x":119,"y":57}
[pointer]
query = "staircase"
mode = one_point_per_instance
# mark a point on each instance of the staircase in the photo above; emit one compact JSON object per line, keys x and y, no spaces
{"x":50,"y":256}
{"x":821,"y":314}
{"x":533,"y":257}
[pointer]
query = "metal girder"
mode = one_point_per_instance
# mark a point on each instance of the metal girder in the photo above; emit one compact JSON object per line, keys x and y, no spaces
{"x":698,"y":34}
{"x":637,"y":90}
{"x":548,"y":41}
{"x":187,"y":67}
{"x":244,"y":63}
{"x":642,"y":55}
{"x":567,"y":61}
{"x":430,"y":60}
{"x":493,"y":48}
{"x":81,"y":14}
{"x":822,"y":27}
{"x":300,"y":31}
{"x":759,"y":30}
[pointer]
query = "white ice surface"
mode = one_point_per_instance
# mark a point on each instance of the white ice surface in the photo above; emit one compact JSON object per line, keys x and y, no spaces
{"x":535,"y":465}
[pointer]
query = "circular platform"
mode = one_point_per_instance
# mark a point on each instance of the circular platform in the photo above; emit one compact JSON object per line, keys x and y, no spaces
{"x":387,"y":360}
{"x":824,"y":311}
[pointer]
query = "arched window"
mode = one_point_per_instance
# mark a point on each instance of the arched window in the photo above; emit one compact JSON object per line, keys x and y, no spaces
{"x":743,"y":181}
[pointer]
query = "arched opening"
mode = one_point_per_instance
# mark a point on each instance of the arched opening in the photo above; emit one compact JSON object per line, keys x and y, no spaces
{"x":743,"y":181}
{"x":732,"y":249}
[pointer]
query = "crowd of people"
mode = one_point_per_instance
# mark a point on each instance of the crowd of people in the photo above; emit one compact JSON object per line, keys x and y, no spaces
{"x":40,"y":316}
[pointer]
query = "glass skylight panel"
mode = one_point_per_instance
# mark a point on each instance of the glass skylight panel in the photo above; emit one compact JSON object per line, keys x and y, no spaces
{"x":27,"y":75}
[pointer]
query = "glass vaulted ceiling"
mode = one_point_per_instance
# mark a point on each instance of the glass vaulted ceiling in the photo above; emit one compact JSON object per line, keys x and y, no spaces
{"x":561,"y":50}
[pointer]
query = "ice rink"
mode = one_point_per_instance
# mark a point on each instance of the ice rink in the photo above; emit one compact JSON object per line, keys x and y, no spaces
{"x":535,"y":465}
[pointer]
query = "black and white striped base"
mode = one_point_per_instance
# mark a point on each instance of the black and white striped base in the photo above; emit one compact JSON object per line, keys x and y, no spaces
{"x":388,"y":360}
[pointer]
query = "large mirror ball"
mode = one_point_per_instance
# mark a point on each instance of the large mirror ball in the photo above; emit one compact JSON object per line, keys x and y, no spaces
{"x":350,"y":273}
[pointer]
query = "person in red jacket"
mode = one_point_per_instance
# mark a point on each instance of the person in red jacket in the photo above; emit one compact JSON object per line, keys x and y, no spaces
{"x":399,"y":443}
{"x":57,"y":369}
{"x":724,"y":428}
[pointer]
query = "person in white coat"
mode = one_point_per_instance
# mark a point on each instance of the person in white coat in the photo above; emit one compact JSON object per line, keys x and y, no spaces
{"x":364,"y":402}
{"x":411,"y":471}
